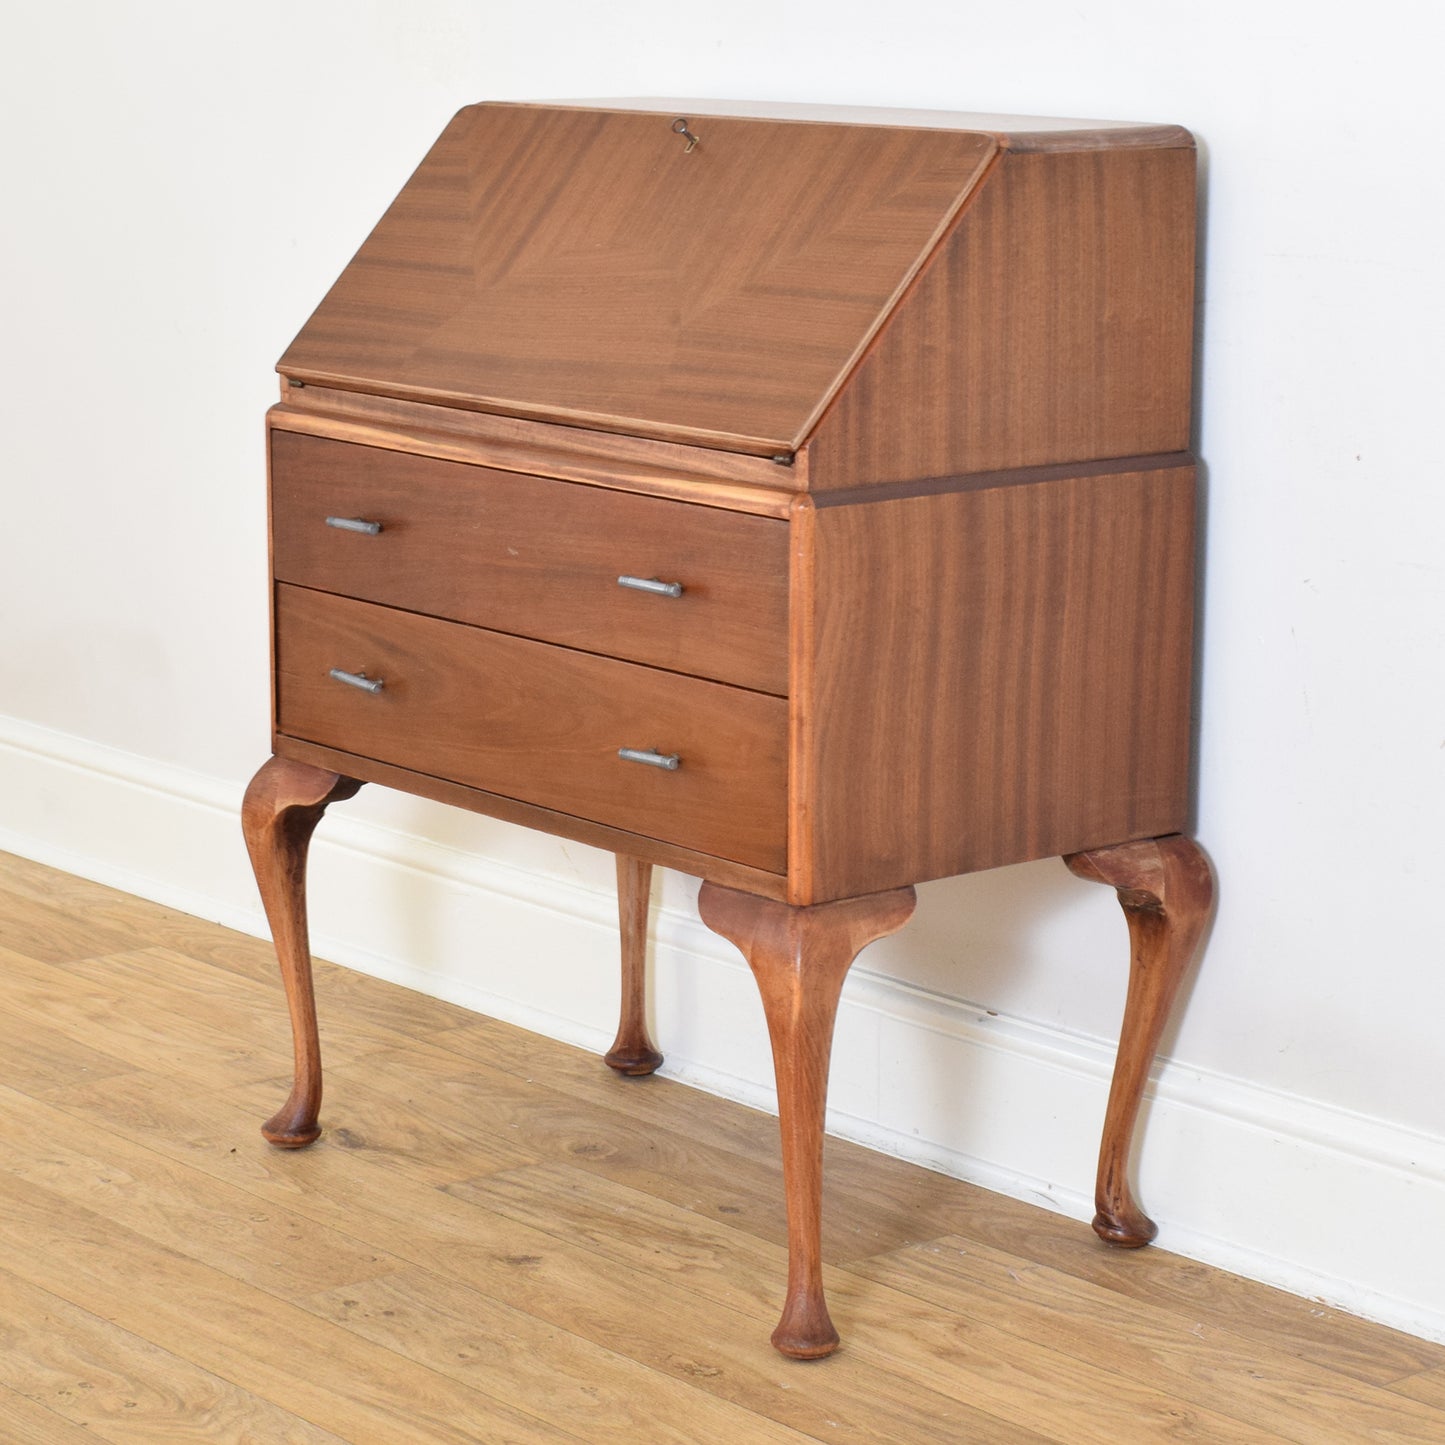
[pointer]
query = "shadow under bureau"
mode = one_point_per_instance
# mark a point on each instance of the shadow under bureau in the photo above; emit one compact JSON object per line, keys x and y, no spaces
{"x":797,"y":498}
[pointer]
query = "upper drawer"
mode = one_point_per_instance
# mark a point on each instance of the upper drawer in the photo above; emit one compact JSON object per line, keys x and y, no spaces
{"x":537,"y":557}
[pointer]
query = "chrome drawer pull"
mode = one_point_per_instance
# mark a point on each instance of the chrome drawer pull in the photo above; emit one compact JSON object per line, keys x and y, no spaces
{"x":354,"y":524}
{"x":651,"y":584}
{"x":357,"y":679}
{"x":670,"y":761}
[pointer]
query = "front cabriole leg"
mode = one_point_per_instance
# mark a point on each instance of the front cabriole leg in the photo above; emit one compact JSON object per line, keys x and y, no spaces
{"x":800,"y":956}
{"x":283,"y":805}
{"x":1167,"y":892}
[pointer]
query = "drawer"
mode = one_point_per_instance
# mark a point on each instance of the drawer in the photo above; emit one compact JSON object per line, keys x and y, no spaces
{"x":538,"y":723}
{"x":537,"y":557}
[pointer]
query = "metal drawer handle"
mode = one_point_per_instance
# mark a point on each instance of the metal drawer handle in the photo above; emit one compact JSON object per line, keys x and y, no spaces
{"x":357,"y":679}
{"x":651,"y":584}
{"x":670,"y":761}
{"x":354,"y":524}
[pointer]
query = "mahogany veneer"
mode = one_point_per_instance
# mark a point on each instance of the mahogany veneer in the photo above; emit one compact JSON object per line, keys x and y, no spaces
{"x":798,"y":500}
{"x":538,"y":558}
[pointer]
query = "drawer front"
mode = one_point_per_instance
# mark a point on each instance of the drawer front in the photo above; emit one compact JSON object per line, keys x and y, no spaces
{"x":536,"y":557}
{"x":539,"y":723}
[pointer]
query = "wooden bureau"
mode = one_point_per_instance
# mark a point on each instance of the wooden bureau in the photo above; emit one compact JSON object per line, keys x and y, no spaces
{"x":799,"y":499}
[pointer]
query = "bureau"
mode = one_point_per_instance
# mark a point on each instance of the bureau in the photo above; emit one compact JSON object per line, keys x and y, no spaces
{"x":801,"y":499}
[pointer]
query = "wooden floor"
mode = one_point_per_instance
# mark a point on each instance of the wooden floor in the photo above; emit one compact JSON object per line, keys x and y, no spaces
{"x":497,"y":1240}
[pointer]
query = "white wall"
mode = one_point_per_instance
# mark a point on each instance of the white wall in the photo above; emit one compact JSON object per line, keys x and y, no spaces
{"x":182,"y":182}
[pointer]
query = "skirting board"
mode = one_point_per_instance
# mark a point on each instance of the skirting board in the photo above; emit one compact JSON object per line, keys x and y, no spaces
{"x":1270,"y":1185}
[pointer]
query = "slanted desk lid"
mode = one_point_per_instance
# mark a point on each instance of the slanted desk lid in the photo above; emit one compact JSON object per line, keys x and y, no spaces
{"x":586,"y":267}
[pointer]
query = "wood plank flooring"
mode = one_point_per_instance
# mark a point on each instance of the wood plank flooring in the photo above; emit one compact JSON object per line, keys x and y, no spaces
{"x":497,"y":1240}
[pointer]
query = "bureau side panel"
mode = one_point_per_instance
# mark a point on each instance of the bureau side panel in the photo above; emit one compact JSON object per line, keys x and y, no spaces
{"x":1055,"y":324}
{"x":995,"y":675}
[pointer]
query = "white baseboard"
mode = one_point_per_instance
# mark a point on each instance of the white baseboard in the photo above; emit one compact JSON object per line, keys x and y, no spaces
{"x":1270,"y":1185}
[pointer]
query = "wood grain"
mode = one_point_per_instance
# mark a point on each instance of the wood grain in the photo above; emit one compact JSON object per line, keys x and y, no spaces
{"x":1012,"y":132}
{"x":398,"y":1131}
{"x":215,"y":1016}
{"x":49,"y":930}
{"x":542,"y":723}
{"x":977,"y":1365}
{"x":555,"y":1276}
{"x":111,"y":1385}
{"x":266,"y":1346}
{"x":78,"y":1006}
{"x":569,"y":1382}
{"x":716,"y":297}
{"x":40,"y":1057}
{"x":537,"y":558}
{"x":1055,"y":324}
{"x":804,"y":793}
{"x":283,"y":804}
{"x":1426,"y":1388}
{"x":1166,"y":889}
{"x":1001,"y":1323}
{"x":530,"y":815}
{"x":23,"y":883}
{"x":656,"y":1137}
{"x":24,"y":1421}
{"x":1261,"y":1318}
{"x":1201,"y":1361}
{"x":633,"y":1051}
{"x":516,"y":444}
{"x":282,"y":1253}
{"x":800,"y":957}
{"x":882,"y":1390}
{"x":993,"y":676}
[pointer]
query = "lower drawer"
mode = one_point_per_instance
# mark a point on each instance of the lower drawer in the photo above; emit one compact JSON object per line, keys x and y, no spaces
{"x":539,"y":723}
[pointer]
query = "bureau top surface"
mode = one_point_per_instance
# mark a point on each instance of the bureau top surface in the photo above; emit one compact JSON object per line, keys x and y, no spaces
{"x":1015,"y":132}
{"x":599,"y":268}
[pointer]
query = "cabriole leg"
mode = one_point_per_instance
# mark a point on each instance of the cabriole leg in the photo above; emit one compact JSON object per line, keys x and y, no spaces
{"x":1167,"y":891}
{"x":283,"y":804}
{"x":800,"y":956}
{"x":632,"y":1051}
